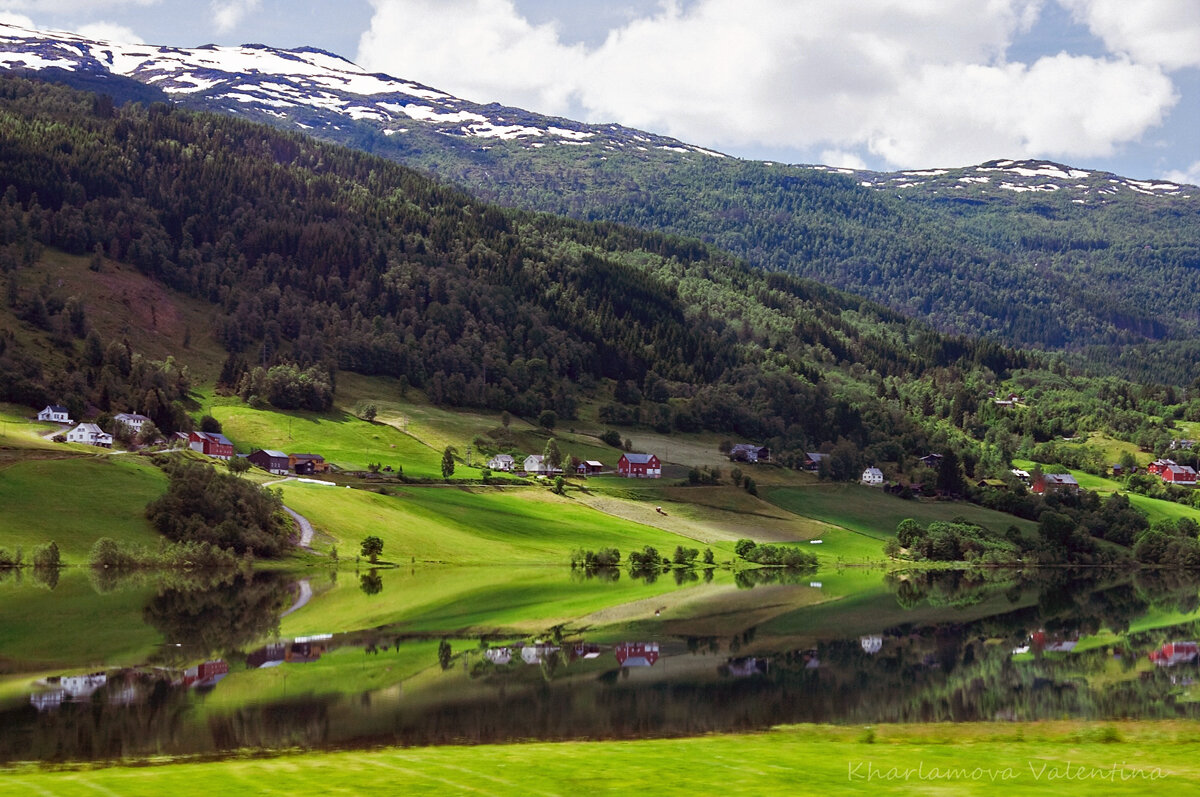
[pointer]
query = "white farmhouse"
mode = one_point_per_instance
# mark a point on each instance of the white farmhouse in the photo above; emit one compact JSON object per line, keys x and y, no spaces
{"x":55,"y":414}
{"x":503,"y":462}
{"x":872,"y":477}
{"x":90,"y":434}
{"x":134,"y":421}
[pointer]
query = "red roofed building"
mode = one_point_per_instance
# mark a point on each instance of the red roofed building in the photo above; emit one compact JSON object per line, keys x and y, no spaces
{"x":637,"y":654}
{"x":639,"y":466}
{"x":1172,"y":653}
{"x":1055,"y":483}
{"x":1173,"y":473}
{"x":211,"y":444}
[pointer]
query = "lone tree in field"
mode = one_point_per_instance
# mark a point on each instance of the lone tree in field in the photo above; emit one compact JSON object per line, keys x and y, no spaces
{"x":448,"y":462}
{"x":372,"y":547}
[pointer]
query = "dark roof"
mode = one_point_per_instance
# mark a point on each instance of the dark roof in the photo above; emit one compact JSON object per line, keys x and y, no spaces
{"x":314,"y":457}
{"x":638,"y":459}
{"x":270,"y":453}
{"x":56,"y":408}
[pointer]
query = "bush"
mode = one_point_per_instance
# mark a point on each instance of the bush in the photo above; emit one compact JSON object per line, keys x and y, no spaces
{"x":591,"y":560}
{"x":612,"y":438}
{"x":47,"y":556}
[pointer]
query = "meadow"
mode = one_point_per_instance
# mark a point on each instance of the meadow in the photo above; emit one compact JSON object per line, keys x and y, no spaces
{"x":985,"y":758}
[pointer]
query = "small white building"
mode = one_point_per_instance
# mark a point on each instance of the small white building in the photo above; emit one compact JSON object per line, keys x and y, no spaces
{"x":90,"y":434}
{"x":872,"y":643}
{"x":55,"y":414}
{"x":536,"y":464}
{"x":872,"y":477}
{"x":498,"y":656}
{"x":503,"y":462}
{"x":134,"y":421}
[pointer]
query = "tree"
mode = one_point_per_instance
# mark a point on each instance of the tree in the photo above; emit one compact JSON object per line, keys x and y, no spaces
{"x":369,"y":412}
{"x":237,"y":465}
{"x":372,"y":547}
{"x":560,"y":485}
{"x":448,"y":462}
{"x":47,"y":556}
{"x":505,"y":419}
{"x":444,"y":653}
{"x":371,"y":583}
{"x":552,"y":454}
{"x":548,"y":419}
{"x":210,"y":425}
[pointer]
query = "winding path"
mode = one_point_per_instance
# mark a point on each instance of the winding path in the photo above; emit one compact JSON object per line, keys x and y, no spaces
{"x":306,"y":528}
{"x":303,"y":598}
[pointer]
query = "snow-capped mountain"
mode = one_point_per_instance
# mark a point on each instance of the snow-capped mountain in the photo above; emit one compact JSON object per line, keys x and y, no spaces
{"x":307,"y":89}
{"x":316,"y":91}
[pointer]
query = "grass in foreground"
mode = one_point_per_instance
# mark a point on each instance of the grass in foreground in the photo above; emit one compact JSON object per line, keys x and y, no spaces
{"x":1032,"y":758}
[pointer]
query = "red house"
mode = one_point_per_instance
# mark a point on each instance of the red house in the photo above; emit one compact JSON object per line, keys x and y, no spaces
{"x":637,"y":654}
{"x":1055,"y":483}
{"x":1172,"y":473}
{"x":211,"y":444}
{"x":639,"y":466}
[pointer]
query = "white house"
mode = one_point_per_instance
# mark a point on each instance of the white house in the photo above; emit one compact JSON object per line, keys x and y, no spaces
{"x":537,"y":465}
{"x":90,"y":434}
{"x":498,"y":655}
{"x":134,"y":421}
{"x":872,"y":476}
{"x":502,"y":462}
{"x":55,"y":414}
{"x":872,"y":643}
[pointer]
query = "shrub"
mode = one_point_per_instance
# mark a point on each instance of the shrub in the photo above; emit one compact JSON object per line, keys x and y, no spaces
{"x":47,"y":555}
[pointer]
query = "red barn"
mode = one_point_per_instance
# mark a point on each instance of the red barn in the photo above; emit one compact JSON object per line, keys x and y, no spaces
{"x":637,"y":654}
{"x":1179,"y":474}
{"x":639,"y":466}
{"x":1173,"y":653}
{"x":211,"y":444}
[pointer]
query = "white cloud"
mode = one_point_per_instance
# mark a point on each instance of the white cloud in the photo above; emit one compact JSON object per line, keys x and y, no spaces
{"x":916,"y":83}
{"x":228,"y":14}
{"x":21,"y":21}
{"x":1161,"y":32}
{"x":1189,"y":176}
{"x":109,"y":31}
{"x":842,"y":159}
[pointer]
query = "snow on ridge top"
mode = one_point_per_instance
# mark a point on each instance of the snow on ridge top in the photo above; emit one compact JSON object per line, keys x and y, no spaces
{"x":575,"y":135}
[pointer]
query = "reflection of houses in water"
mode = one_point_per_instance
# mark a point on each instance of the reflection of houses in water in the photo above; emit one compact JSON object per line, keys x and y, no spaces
{"x":120,"y":690}
{"x":81,"y":687}
{"x":1054,"y":643}
{"x":301,"y":652}
{"x":585,"y":651}
{"x":637,"y":654}
{"x":206,"y":675}
{"x":747,"y":666}
{"x":872,"y":643}
{"x":1172,"y":653}
{"x":268,"y":656}
{"x":498,"y":655}
{"x":536,"y":654}
{"x":47,"y":701}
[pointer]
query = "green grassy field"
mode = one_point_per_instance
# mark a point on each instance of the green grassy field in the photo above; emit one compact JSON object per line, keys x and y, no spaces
{"x":1027,"y":758}
{"x":472,"y":526}
{"x":76,"y":501}
{"x":344,"y":440}
{"x":874,"y":514}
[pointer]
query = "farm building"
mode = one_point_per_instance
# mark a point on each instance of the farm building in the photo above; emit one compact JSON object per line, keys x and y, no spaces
{"x":307,"y":464}
{"x":90,"y":434}
{"x":748,"y":452}
{"x":639,"y":466}
{"x":503,"y":462}
{"x":55,"y":414}
{"x":271,"y":461}
{"x":211,"y":444}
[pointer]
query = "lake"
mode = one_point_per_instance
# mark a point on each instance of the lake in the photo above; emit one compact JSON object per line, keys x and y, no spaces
{"x":103,"y":667}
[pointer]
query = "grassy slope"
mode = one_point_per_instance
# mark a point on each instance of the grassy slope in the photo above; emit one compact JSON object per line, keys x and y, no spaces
{"x":476,"y":526}
{"x":76,"y":501}
{"x":875,"y":514}
{"x":804,"y":759}
{"x":1156,"y":509}
{"x":344,"y":440}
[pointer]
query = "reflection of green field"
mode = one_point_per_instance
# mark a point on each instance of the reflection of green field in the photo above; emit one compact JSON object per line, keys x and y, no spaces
{"x":452,"y":600}
{"x":479,"y":526}
{"x":980,"y":758}
{"x":342,"y":439}
{"x":76,"y":501}
{"x":72,"y":626}
{"x":873,"y":513}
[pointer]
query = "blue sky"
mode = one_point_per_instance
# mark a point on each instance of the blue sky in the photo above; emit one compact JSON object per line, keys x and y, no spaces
{"x":882,"y":84}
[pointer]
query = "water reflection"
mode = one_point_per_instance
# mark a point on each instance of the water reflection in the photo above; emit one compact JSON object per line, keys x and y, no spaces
{"x":946,"y":646}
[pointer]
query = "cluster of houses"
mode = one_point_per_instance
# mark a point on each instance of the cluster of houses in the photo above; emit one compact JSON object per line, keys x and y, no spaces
{"x":628,"y":654}
{"x":1173,"y":473}
{"x":210,"y":444}
{"x":633,"y":466}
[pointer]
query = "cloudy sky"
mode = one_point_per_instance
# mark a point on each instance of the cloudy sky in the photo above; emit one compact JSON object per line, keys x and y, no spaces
{"x":882,"y":84}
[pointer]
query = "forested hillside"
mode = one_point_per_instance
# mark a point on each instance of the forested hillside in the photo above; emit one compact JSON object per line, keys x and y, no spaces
{"x":327,"y":258}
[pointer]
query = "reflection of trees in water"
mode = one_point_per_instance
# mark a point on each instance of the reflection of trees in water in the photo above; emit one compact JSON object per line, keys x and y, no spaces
{"x":371,"y":582}
{"x":954,"y":588}
{"x":218,"y":619}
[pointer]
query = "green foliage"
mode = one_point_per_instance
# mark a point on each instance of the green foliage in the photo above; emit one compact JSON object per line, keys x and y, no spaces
{"x":448,"y":462}
{"x":237,"y":465}
{"x":372,"y":548}
{"x":590,"y":560}
{"x":289,"y":387}
{"x":777,"y":555}
{"x":201,"y":505}
{"x":548,"y":419}
{"x":47,"y":556}
{"x":611,"y":437}
{"x":109,"y":554}
{"x":444,"y":653}
{"x":943,"y":541}
{"x":210,"y":424}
